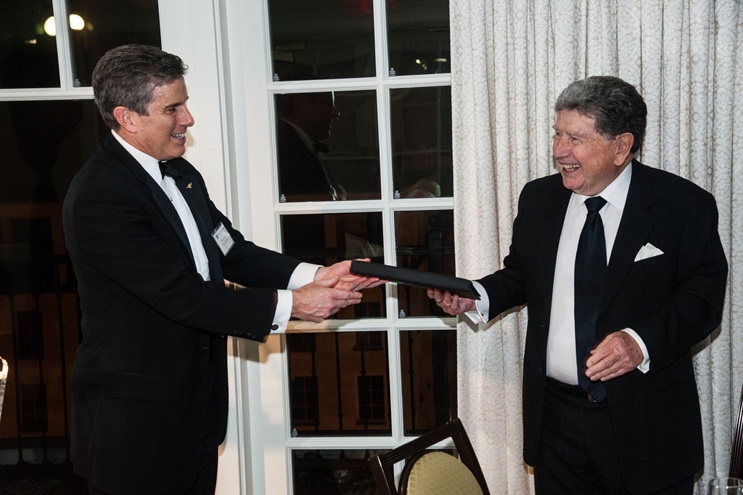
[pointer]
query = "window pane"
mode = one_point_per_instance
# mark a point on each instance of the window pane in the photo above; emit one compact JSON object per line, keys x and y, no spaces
{"x":28,"y":56}
{"x":321,"y":40}
{"x":339,"y":383}
{"x":425,"y":241}
{"x":106,"y":25}
{"x":328,"y":146}
{"x":333,"y":472}
{"x":327,"y":239}
{"x":44,"y":143}
{"x":418,"y":36}
{"x":421,"y":142}
{"x":428,"y":364}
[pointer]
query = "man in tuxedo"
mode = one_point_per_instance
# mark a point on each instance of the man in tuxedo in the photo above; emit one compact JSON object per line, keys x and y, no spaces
{"x":152,"y":255}
{"x":622,"y":271}
{"x":305,"y":122}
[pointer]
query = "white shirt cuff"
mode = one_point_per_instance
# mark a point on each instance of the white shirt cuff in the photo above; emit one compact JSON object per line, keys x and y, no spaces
{"x":303,"y":274}
{"x":482,"y":307}
{"x":645,"y":365}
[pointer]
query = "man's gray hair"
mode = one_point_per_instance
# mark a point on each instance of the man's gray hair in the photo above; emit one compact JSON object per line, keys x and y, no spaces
{"x":614,"y":104}
{"x":128,"y":75}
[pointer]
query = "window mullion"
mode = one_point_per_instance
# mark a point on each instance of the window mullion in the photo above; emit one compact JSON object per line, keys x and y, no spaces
{"x":64,"y":50}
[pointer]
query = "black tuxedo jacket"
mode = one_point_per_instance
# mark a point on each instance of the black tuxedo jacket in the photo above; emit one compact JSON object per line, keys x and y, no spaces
{"x":672,"y":301}
{"x":149,"y":381}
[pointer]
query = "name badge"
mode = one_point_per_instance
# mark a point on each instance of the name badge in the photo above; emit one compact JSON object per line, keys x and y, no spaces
{"x":223,"y":238}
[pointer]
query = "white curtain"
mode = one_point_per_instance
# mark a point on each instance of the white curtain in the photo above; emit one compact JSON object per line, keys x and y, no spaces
{"x":510,"y":59}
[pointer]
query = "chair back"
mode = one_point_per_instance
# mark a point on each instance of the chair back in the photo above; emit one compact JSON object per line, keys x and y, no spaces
{"x":736,"y":457}
{"x":428,"y":471}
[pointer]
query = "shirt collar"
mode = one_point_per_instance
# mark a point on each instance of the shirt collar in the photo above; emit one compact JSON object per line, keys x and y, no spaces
{"x":615,"y":193}
{"x":150,"y":164}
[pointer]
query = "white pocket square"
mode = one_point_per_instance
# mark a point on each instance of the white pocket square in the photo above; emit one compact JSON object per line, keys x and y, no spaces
{"x":647,"y":251}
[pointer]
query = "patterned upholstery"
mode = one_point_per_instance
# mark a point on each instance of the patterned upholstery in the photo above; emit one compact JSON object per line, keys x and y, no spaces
{"x":438,"y":473}
{"x":431,"y":472}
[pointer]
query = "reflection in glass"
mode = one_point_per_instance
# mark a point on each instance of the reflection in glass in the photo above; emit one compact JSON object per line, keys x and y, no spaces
{"x":428,"y":363}
{"x":28,"y":56}
{"x":425,"y":241}
{"x":421,"y":142}
{"x":418,"y":37}
{"x":333,"y":472}
{"x":327,"y":146}
{"x":329,"y":238}
{"x":44,"y":143}
{"x":321,"y":40}
{"x":339,"y":383}
{"x":106,"y":25}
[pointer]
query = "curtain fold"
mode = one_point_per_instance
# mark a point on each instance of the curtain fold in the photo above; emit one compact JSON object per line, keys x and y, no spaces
{"x":510,"y":60}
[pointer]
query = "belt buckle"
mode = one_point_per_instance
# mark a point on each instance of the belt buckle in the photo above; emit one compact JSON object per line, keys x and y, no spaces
{"x":590,"y":398}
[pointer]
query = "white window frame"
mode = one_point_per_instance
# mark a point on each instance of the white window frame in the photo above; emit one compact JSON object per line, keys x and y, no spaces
{"x":261,"y":378}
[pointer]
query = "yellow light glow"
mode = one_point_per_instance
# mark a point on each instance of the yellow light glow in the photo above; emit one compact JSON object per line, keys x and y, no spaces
{"x":49,"y":27}
{"x":77,"y":23}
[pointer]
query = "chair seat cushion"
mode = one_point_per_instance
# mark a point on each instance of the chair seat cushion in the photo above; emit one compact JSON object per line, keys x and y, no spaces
{"x":438,"y":473}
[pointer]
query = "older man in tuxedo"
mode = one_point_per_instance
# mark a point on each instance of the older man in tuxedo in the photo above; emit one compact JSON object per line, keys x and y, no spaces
{"x":151,"y":253}
{"x":622,"y":271}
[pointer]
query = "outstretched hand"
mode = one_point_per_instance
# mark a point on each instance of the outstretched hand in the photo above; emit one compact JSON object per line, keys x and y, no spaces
{"x":345,"y":279}
{"x":321,"y":299}
{"x":452,"y":304}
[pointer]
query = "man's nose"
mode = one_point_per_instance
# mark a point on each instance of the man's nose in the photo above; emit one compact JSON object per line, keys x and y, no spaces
{"x":186,"y":118}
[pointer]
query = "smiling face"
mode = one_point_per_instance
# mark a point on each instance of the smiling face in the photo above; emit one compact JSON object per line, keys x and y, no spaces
{"x":162,"y":132}
{"x":587,"y":160}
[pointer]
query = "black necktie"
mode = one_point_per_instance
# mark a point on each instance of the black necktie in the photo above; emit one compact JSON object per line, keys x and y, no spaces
{"x":590,"y":266}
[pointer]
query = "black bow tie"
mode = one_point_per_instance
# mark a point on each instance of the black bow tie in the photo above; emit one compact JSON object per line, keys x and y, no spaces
{"x":167,"y":169}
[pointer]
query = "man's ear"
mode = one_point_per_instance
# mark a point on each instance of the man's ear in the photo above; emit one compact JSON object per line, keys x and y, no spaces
{"x":126,"y":118}
{"x":622,"y":148}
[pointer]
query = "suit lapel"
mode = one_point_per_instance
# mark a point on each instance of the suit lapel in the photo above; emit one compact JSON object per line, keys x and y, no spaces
{"x":634,"y":227}
{"x":193,"y":193}
{"x":112,"y":146}
{"x":552,"y":221}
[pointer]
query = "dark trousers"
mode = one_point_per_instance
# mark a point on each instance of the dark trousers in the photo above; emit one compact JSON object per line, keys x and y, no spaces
{"x":577,"y":453}
{"x":204,"y":484}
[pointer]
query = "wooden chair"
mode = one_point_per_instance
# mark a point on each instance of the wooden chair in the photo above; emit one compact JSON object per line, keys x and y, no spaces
{"x":736,"y":458}
{"x":431,"y":472}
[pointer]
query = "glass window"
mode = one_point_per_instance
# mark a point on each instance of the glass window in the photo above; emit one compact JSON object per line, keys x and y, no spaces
{"x":333,"y":472}
{"x":321,"y":40}
{"x":424,"y":241}
{"x":428,"y":363}
{"x":96,"y":27}
{"x":325,"y":239}
{"x":44,"y":143}
{"x":418,"y":37}
{"x":28,"y":46}
{"x":327,"y":146}
{"x":421,"y":142}
{"x":339,"y":384}
{"x":28,"y":56}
